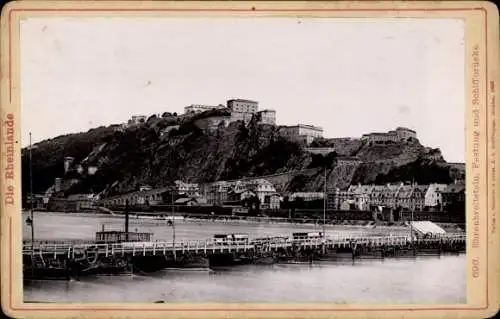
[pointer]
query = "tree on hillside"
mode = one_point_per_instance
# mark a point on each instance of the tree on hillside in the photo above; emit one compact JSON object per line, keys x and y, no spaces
{"x":298,"y":183}
{"x":276,"y":155}
{"x":286,"y":203}
{"x":298,"y":203}
{"x":48,"y":156}
{"x":319,"y":160}
{"x":319,"y":142}
{"x":421,"y":171}
{"x":186,"y":128}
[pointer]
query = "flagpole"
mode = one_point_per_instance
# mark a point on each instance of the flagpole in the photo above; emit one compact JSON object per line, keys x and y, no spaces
{"x":31,"y":211}
{"x":412,"y":210}
{"x":324,"y":213}
{"x":173,"y":227}
{"x":324,"y":206}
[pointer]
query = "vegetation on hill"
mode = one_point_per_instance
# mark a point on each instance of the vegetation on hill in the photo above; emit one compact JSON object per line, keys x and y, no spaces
{"x":48,"y":156}
{"x":142,"y":155}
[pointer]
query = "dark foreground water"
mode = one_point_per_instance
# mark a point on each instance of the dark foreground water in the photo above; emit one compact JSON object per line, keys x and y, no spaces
{"x":420,"y":280}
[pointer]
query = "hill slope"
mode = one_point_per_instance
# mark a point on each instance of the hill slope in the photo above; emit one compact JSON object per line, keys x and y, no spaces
{"x":142,"y":155}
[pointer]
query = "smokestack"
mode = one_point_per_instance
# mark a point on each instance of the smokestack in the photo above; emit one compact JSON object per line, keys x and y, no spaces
{"x":126,"y":220}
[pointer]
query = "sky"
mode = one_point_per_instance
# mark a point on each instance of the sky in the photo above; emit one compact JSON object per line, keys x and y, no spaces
{"x":349,"y":76}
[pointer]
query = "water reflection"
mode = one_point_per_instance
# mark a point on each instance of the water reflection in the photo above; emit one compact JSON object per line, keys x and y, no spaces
{"x":421,"y":280}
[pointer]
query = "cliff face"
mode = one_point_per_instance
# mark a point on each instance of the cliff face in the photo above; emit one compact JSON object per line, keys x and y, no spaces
{"x":142,"y":155}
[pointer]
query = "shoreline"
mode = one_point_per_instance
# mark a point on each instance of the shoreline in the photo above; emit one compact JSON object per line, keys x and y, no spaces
{"x":346,"y":224}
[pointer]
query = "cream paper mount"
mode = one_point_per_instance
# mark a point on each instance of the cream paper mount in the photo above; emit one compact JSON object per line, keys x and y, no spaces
{"x":343,"y":67}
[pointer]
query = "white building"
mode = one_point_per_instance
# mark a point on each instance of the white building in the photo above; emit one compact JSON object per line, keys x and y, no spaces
{"x":361,"y":195}
{"x":306,"y":196}
{"x":400,"y":134}
{"x":404,"y":133}
{"x":302,"y":132}
{"x":380,"y":137}
{"x":433,"y":196}
{"x":189,"y":189}
{"x":243,"y":106}
{"x":267,"y":117}
{"x":261,"y":188}
{"x":199,"y":108}
{"x":272,"y":201}
{"x":217,"y":192}
{"x":241,"y":116}
{"x":137,"y":119}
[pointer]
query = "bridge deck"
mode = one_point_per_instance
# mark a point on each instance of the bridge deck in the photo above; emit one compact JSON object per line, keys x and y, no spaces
{"x":56,"y":248}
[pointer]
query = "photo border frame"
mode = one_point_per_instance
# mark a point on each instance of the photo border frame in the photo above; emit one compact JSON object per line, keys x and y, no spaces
{"x":481,"y":52}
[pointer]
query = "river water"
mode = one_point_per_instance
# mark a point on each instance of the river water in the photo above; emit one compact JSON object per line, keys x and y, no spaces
{"x":430,"y":280}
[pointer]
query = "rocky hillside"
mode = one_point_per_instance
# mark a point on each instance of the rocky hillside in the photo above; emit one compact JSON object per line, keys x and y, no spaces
{"x":146,"y":154}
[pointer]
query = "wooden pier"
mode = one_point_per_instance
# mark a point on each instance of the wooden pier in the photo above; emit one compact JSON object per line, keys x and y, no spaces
{"x":76,"y":258}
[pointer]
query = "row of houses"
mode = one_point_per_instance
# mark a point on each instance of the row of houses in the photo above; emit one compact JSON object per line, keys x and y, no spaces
{"x":402,"y":196}
{"x":245,"y":193}
{"x":359,"y":197}
{"x":146,"y":195}
{"x":230,"y":192}
{"x":259,"y":192}
{"x":221,"y":193}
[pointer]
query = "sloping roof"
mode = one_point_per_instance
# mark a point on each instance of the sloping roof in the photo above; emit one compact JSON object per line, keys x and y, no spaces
{"x":201,"y":200}
{"x":425,"y":227}
{"x":422,"y":188}
{"x":50,"y":190}
{"x":80,"y":196}
{"x":259,"y":181}
{"x":405,"y":191}
{"x":377,"y":190}
{"x":390,"y":189}
{"x":184,"y":200}
{"x":437,"y":187}
{"x":155,"y":191}
{"x":360,"y":189}
{"x":454,"y":188}
{"x":400,"y":128}
{"x":242,"y":100}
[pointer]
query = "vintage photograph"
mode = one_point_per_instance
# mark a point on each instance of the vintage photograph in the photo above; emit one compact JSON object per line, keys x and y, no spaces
{"x":264,"y":159}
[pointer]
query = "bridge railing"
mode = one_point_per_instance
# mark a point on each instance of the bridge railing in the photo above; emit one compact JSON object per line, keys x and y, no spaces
{"x":71,"y":248}
{"x":56,"y":242}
